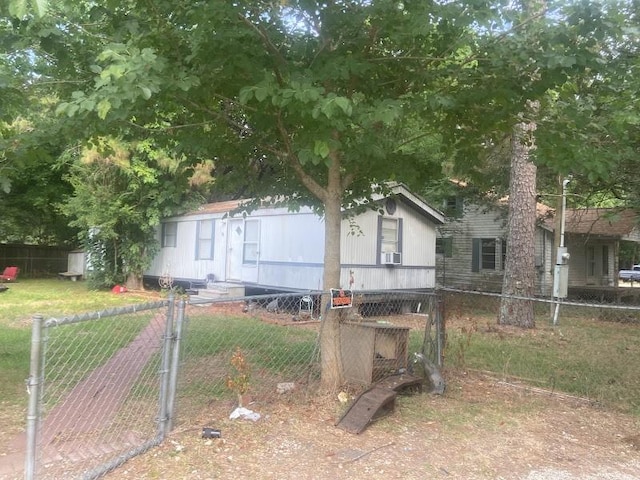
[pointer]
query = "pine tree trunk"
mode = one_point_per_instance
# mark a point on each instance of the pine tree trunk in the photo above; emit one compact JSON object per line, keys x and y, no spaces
{"x":519,"y":274}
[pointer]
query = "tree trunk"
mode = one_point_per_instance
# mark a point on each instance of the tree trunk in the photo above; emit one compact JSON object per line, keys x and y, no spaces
{"x":330,"y":354}
{"x":519,"y":274}
{"x":134,"y":282}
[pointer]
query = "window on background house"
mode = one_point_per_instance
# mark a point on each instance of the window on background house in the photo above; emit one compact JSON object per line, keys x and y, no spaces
{"x":204,"y":239}
{"x":591,"y":261}
{"x":453,"y":206}
{"x":169,"y":234}
{"x":488,"y":254}
{"x":483,"y":254}
{"x":605,"y":259}
{"x":444,"y":246}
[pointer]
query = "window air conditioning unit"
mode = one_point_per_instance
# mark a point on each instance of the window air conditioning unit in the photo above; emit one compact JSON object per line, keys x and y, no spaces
{"x":391,"y":258}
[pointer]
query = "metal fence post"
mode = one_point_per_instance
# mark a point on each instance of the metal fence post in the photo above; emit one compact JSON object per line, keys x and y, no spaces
{"x":441,"y":333}
{"x":175,"y":361}
{"x":33,"y":389}
{"x":164,"y":369}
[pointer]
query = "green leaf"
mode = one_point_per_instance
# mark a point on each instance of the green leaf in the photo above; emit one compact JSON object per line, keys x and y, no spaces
{"x":321,"y":148}
{"x":40,"y":7}
{"x":71,"y":109}
{"x":146,"y":92}
{"x":103,"y":108}
{"x":61,"y":108}
{"x":88,"y":104}
{"x":5,"y":184}
{"x":306,"y":156}
{"x":18,"y":8}
{"x":344,"y":104}
{"x":261,"y":93}
{"x":246,"y":94}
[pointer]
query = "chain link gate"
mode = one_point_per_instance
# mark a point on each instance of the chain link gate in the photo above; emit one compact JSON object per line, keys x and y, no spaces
{"x":99,"y":389}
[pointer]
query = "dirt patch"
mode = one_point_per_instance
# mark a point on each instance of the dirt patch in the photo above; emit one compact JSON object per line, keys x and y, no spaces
{"x":480,"y":429}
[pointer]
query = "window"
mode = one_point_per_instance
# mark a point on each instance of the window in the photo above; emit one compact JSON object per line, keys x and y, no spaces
{"x":453,"y":206}
{"x":605,"y":259}
{"x":389,"y":235}
{"x":389,"y":240}
{"x":488,"y":254}
{"x":169,"y":234}
{"x":251,"y":238}
{"x":591,"y":261}
{"x":204,"y":240}
{"x":444,"y":246}
{"x":483,"y":254}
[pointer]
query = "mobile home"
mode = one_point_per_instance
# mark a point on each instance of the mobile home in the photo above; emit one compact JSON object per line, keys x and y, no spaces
{"x":390,"y":247}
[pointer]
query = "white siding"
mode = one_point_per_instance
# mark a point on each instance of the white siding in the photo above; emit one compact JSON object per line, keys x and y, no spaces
{"x":580,"y":272}
{"x":180,"y":261}
{"x":291,"y":250}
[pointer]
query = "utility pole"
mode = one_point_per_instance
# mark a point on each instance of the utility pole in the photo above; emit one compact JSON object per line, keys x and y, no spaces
{"x":561,"y":271}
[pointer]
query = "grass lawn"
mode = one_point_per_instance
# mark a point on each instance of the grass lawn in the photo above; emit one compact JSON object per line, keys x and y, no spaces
{"x":51,"y":298}
{"x":584,"y":355}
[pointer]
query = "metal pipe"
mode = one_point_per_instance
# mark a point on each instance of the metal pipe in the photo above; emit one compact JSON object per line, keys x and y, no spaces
{"x":559,"y":260}
{"x":175,"y":363}
{"x":164,"y":370}
{"x":33,"y":389}
{"x":564,"y":210}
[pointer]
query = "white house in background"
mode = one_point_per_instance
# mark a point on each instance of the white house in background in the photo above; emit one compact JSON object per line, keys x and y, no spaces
{"x":393,"y":247}
{"x":593,"y":237}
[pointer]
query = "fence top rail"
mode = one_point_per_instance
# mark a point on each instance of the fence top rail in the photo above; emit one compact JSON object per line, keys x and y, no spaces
{"x":545,"y":300}
{"x":110,"y":312}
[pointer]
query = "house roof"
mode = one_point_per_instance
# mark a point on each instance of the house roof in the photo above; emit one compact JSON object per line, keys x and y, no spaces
{"x":417,"y":202}
{"x":218,"y":207}
{"x":605,"y":222}
{"x":397,"y":189}
{"x":544,"y":213}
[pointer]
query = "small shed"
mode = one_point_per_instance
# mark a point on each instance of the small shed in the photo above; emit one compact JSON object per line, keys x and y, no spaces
{"x":76,"y":266}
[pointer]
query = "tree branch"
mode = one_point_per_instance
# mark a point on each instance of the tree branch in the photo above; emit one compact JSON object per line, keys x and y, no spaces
{"x":307,"y":180}
{"x":280,"y":60}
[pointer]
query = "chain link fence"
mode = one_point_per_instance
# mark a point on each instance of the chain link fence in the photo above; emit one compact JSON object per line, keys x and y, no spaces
{"x":106,"y":386}
{"x":109,"y":385}
{"x":267,"y":348}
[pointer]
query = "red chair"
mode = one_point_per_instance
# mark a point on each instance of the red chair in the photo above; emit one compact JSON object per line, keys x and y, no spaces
{"x":10,"y":274}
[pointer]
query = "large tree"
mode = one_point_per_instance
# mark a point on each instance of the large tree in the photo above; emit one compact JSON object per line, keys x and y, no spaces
{"x":305,"y":101}
{"x":318,"y":102}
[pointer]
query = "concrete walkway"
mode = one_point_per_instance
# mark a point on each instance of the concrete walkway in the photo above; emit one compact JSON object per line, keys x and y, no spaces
{"x":71,"y":431}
